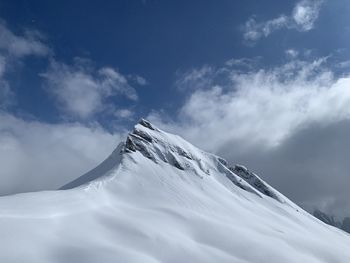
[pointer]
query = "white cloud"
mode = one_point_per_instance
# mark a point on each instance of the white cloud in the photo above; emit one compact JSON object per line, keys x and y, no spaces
{"x":140,"y":80}
{"x":254,"y":30}
{"x":245,"y":63}
{"x":305,"y":14}
{"x":343,"y":64}
{"x":82,"y":92}
{"x":265,"y":106}
{"x":124,"y":113}
{"x":30,"y":43}
{"x":5,"y":92}
{"x":2,"y":66}
{"x":37,"y":156}
{"x":292,"y":53}
{"x":7,"y":97}
{"x":195,"y":78}
{"x":303,"y":18}
{"x":12,"y":49}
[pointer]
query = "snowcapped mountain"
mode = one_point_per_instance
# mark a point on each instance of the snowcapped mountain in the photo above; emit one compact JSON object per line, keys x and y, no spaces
{"x":157,"y":198}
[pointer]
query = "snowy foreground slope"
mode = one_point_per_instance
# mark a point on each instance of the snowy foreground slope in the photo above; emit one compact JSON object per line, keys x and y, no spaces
{"x":157,"y":198}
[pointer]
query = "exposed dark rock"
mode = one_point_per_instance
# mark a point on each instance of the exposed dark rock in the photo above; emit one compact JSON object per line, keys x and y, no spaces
{"x":184,"y":154}
{"x":254,"y":181}
{"x":223,"y":161}
{"x":178,"y":165}
{"x":130,"y":145}
{"x":143,"y":135}
{"x":172,"y":160}
{"x":146,"y":124}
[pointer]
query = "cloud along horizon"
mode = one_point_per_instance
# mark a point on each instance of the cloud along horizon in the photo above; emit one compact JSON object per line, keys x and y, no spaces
{"x":50,"y":155}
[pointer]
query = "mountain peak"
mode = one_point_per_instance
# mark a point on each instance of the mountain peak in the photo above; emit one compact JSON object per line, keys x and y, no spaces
{"x":147,"y":124}
{"x":159,"y":146}
{"x":166,"y":149}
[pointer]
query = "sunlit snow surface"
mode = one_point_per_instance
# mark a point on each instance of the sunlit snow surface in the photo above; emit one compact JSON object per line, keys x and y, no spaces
{"x":158,"y":198}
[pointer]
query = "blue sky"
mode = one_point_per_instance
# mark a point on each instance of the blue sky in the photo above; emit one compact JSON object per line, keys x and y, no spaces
{"x":155,"y":40}
{"x":266,"y":81}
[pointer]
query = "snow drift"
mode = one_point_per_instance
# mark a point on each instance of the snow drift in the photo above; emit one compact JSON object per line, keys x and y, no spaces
{"x":157,"y":198}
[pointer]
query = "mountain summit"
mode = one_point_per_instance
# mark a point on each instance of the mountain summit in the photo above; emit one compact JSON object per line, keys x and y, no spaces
{"x":161,"y":147}
{"x":158,"y":198}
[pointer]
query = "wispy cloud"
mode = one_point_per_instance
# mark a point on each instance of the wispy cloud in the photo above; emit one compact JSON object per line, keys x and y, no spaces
{"x":30,"y":43}
{"x":195,"y":78}
{"x":305,"y":14}
{"x":302,"y":18}
{"x":292,"y":53}
{"x":268,"y":104}
{"x":139,"y":80}
{"x":82,"y":91}
{"x":253,"y":30}
{"x":124,"y":113}
{"x":243,"y":63}
{"x":6,"y":95}
{"x":12,"y":49}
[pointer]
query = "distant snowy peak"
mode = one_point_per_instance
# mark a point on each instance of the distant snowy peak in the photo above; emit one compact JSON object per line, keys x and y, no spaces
{"x":169,"y":149}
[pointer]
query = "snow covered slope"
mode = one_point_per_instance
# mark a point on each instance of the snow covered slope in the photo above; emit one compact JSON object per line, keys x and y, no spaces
{"x":158,"y":198}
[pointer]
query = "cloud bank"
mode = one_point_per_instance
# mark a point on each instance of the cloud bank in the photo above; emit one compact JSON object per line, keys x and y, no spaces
{"x":37,"y":156}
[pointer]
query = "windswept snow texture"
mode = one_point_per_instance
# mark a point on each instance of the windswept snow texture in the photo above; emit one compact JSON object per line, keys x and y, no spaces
{"x":158,"y":198}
